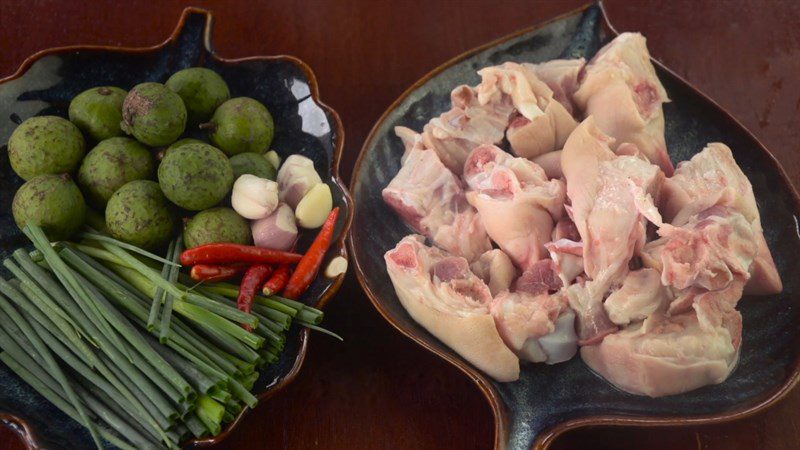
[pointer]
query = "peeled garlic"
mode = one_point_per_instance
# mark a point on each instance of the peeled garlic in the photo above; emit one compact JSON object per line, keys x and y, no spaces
{"x":336,"y":267}
{"x":296,"y":177}
{"x":315,"y":206}
{"x":254,"y":197}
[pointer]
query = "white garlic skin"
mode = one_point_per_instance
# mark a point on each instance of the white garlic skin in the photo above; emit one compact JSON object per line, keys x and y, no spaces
{"x":296,"y":177}
{"x":253,"y":197}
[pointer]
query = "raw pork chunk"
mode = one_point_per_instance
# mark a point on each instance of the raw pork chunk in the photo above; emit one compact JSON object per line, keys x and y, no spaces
{"x":519,"y":204}
{"x":710,"y":178}
{"x":431,"y":200}
{"x":441,"y":294}
{"x":621,"y":91}
{"x":541,"y":124}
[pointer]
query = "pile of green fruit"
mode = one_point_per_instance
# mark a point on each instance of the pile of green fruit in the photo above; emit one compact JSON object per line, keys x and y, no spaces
{"x":139,"y":173}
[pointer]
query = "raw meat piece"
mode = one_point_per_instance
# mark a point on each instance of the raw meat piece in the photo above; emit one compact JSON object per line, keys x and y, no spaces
{"x":456,"y":132}
{"x":561,"y":76}
{"x":567,"y":257}
{"x":431,"y":200}
{"x":710,"y":178}
{"x":442,"y":295}
{"x":593,"y":323}
{"x":641,"y":295}
{"x":542,"y":123}
{"x":608,"y":195}
{"x":495,"y":269}
{"x":521,"y":205}
{"x":524,"y":320}
{"x":669,"y":355}
{"x":542,"y":277}
{"x":550,"y":162}
{"x":621,"y":91}
{"x":710,"y":251}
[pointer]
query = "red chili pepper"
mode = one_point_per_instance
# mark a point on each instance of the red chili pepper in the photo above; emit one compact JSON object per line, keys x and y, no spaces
{"x":235,"y":253}
{"x":251,"y":281}
{"x":278,"y":280}
{"x":214,"y":273}
{"x":308,"y":267}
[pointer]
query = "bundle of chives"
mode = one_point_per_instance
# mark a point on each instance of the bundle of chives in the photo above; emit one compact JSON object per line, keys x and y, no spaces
{"x":81,"y":331}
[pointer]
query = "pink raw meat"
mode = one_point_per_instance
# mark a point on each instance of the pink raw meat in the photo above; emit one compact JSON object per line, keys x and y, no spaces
{"x":441,"y":294}
{"x":465,"y":126}
{"x":669,"y":355}
{"x":538,"y":328}
{"x":521,"y":205}
{"x":431,"y":200}
{"x":561,"y":76}
{"x":710,"y":178}
{"x":542,"y":124}
{"x":621,"y":91}
{"x":607,"y":193}
{"x":495,"y":269}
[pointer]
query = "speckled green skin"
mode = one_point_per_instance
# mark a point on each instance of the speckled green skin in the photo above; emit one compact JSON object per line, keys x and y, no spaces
{"x":202,"y":91}
{"x":53,"y":202}
{"x":153,"y":114}
{"x":139,"y":214}
{"x":254,"y":164}
{"x":45,"y":145}
{"x":216,"y":225}
{"x":98,"y":112}
{"x":195,"y":176}
{"x":242,"y":125}
{"x":182,"y":142}
{"x":110,"y":165}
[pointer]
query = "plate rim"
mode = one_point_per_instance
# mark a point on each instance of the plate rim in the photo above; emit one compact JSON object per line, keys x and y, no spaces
{"x":499,"y":409}
{"x":26,"y":431}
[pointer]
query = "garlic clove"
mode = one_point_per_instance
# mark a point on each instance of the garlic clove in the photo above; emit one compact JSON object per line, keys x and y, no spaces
{"x":315,"y":206}
{"x":254,"y":197}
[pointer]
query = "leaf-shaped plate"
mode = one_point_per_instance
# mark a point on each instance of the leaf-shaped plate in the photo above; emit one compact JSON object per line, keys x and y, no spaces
{"x":46,"y":83}
{"x":548,"y":400}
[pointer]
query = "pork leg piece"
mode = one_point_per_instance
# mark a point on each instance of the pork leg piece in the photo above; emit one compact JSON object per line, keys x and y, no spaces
{"x":441,"y":294}
{"x":430,"y":200}
{"x":621,"y":90}
{"x":519,"y":203}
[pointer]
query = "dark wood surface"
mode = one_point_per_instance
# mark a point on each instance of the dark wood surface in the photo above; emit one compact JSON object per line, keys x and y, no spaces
{"x":378,"y":390}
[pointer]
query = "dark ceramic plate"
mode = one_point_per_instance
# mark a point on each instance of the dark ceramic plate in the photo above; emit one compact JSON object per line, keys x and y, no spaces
{"x":48,"y":80}
{"x":548,"y":400}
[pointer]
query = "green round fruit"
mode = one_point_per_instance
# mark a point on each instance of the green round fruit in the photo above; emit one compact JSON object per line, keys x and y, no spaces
{"x":195,"y":176}
{"x":254,"y":164}
{"x":52,"y":202}
{"x":45,"y":145}
{"x":110,"y":165}
{"x":153,"y":114}
{"x":139,"y":214}
{"x":216,"y":225}
{"x":241,"y":125}
{"x":202,"y":91}
{"x":98,"y":112}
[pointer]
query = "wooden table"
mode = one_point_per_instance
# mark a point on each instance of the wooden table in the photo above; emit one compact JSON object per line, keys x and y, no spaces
{"x":378,"y":390}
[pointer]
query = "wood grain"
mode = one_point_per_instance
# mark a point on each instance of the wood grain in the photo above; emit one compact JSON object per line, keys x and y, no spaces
{"x":377,"y":390}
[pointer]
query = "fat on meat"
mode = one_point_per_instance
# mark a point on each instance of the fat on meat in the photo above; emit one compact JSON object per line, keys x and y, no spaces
{"x":541,"y":123}
{"x":537,"y":327}
{"x":620,"y":89}
{"x":440,"y":293}
{"x":711,"y":178}
{"x":495,"y":269}
{"x":519,"y":204}
{"x":431,"y":200}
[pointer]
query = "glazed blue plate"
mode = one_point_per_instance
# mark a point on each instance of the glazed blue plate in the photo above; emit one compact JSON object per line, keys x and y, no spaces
{"x":548,"y":400}
{"x":46,"y":83}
